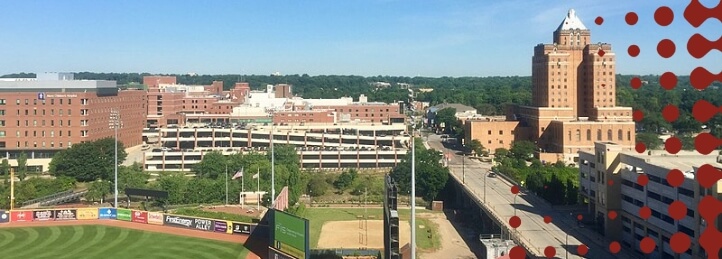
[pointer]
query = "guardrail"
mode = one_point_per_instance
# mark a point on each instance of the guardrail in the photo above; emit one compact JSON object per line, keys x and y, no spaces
{"x":63,"y":198}
{"x":49,"y":197}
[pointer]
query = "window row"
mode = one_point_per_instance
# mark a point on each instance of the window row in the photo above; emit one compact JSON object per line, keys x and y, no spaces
{"x":620,"y":135}
{"x":35,"y":144}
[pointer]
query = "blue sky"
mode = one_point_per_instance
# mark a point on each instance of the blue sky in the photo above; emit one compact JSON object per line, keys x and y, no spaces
{"x":324,"y":37}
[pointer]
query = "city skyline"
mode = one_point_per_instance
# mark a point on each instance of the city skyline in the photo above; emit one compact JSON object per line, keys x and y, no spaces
{"x":367,"y":38}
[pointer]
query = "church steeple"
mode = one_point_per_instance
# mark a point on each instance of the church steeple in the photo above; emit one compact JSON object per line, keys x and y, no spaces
{"x":571,"y":31}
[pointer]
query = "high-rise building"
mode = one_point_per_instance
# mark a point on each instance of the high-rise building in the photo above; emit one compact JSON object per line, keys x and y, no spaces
{"x":43,"y":115}
{"x":574,"y":98}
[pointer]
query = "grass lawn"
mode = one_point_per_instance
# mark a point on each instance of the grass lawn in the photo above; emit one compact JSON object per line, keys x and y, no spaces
{"x":96,"y":241}
{"x":318,"y":216}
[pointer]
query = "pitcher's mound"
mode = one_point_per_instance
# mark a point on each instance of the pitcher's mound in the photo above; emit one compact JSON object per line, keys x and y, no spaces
{"x":351,"y":234}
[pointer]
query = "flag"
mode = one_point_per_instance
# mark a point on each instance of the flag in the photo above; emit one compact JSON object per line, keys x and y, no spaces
{"x":238,"y":174}
{"x":255,"y":176}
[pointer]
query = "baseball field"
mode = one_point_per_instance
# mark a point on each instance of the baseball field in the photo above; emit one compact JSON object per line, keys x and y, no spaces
{"x":99,"y":241}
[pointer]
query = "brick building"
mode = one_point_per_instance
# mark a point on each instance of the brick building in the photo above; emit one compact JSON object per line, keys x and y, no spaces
{"x":41,"y":116}
{"x":574,"y":98}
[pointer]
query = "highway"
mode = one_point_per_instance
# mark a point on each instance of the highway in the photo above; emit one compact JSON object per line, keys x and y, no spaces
{"x":534,"y":234}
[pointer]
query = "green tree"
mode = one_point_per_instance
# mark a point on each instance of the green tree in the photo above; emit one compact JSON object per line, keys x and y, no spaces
{"x":89,"y":161}
{"x":431,"y":175}
{"x":317,"y":185}
{"x":98,"y":190}
{"x":132,"y":177}
{"x":345,"y":179}
{"x":5,"y":167}
{"x":572,"y":192}
{"x":22,"y":166}
{"x":522,"y":149}
{"x":476,"y":147}
{"x":213,"y":165}
{"x":650,"y":140}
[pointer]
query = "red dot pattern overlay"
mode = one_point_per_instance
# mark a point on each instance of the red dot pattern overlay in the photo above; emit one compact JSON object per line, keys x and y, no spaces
{"x":638,"y":115}
{"x":698,"y":46}
{"x":633,"y":51}
{"x":647,"y":245}
{"x":696,"y":13}
{"x":677,"y":210}
{"x":666,"y":48}
{"x":612,"y":215}
{"x":700,"y":78}
{"x":642,"y":179}
{"x":515,"y":222}
{"x":582,"y":250}
{"x":547,"y":219}
{"x":599,"y":20}
{"x":640,"y":147}
{"x":679,"y":242}
{"x":705,"y":143}
{"x":636,"y":83}
{"x":673,"y":145}
{"x":664,"y":16}
{"x":515,"y":189}
{"x":614,"y":247}
{"x":645,"y":212}
{"x":668,"y":80}
{"x":517,"y":252}
{"x":703,"y":111}
{"x":631,"y":18}
{"x":670,"y":113}
{"x":675,"y":178}
{"x":550,"y":252}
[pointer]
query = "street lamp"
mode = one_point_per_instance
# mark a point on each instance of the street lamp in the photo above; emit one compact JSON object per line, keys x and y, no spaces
{"x":413,"y":191}
{"x":463,"y":168}
{"x":114,"y":122}
{"x":273,"y":165}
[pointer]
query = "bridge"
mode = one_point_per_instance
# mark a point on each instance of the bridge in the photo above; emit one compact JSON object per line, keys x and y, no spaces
{"x":493,"y":196}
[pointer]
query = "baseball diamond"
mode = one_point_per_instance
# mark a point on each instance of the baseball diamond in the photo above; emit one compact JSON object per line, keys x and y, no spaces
{"x":100,"y":241}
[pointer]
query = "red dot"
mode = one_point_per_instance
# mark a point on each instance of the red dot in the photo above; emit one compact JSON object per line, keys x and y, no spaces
{"x":631,"y":18}
{"x":670,"y":113}
{"x":642,"y":179}
{"x":582,"y":250}
{"x":638,"y":115}
{"x":677,"y":210}
{"x":515,"y":221}
{"x":640,"y":147}
{"x":612,"y":215}
{"x":550,"y":252}
{"x":666,"y":48}
{"x":547,"y":219}
{"x":673,"y":145}
{"x":647,"y":245}
{"x":664,"y":16}
{"x":668,"y":80}
{"x":645,"y":212}
{"x":633,"y":50}
{"x":636,"y":83}
{"x":679,"y":242}
{"x":707,"y":176}
{"x":601,"y":53}
{"x":515,"y":189}
{"x":517,"y":252}
{"x":599,"y":20}
{"x":610,"y":182}
{"x":580,"y":217}
{"x":614,"y":247}
{"x":705,"y":143}
{"x":675,"y":178}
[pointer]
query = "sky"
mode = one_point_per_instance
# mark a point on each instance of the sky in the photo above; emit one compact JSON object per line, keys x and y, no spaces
{"x":431,"y":38}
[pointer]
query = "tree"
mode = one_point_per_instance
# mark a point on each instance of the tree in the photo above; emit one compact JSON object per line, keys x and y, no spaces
{"x":132,"y":177}
{"x":22,"y":166}
{"x":98,"y":190}
{"x":477,"y":147}
{"x":5,"y":167}
{"x":213,"y":165}
{"x":317,"y":185}
{"x":88,"y":161}
{"x":650,"y":140}
{"x":522,"y":149}
{"x":431,"y":176}
{"x":345,"y":179}
{"x":572,"y":192}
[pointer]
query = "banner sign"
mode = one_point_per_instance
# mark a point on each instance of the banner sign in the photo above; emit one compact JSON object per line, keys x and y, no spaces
{"x":21,"y":216}
{"x":177,"y":221}
{"x":220,"y":226}
{"x":65,"y":214}
{"x":87,"y":213}
{"x":107,"y":213}
{"x":241,"y":228}
{"x":203,"y":224}
{"x":124,"y":214}
{"x":43,"y":215}
{"x":155,"y":218}
{"x":4,"y":216}
{"x":140,"y":216}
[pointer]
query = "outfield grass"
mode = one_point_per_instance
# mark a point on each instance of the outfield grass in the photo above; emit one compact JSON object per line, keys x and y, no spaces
{"x":318,"y":216}
{"x":96,"y":241}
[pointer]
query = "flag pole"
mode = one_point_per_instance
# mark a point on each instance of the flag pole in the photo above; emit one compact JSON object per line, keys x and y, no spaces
{"x":258,"y":189}
{"x":226,"y":184}
{"x":243,"y":183}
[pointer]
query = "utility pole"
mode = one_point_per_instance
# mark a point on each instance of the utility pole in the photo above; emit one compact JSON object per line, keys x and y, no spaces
{"x":12,"y":189}
{"x":226,"y":183}
{"x":463,"y":168}
{"x":413,"y":191}
{"x":273,"y":166}
{"x":366,"y":215}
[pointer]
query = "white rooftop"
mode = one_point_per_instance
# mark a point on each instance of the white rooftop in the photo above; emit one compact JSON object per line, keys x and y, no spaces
{"x":571,"y":22}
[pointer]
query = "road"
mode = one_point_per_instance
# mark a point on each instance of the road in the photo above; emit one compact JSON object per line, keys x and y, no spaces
{"x":562,"y":234}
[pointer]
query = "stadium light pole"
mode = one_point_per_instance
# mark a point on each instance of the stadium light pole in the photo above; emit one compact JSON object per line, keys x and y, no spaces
{"x":413,"y":191}
{"x":273,"y":166}
{"x":115,"y":123}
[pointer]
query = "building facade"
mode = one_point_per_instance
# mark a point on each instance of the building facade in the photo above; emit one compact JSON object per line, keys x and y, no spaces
{"x":41,"y":116}
{"x":609,"y":162}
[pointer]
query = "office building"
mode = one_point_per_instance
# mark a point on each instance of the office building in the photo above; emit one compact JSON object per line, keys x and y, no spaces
{"x":43,"y":115}
{"x":625,"y":196}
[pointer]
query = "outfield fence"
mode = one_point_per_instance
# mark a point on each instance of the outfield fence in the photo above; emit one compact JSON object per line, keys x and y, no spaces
{"x":129,"y":215}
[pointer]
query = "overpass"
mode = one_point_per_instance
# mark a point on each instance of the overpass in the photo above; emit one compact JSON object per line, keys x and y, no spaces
{"x":494,"y":197}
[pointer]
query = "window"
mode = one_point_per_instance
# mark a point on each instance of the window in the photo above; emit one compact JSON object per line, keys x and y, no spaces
{"x":2,"y":101}
{"x":589,"y":135}
{"x":490,"y":132}
{"x":26,"y":101}
{"x":70,"y":101}
{"x":619,"y":135}
{"x":609,"y":135}
{"x":629,"y":136}
{"x":17,"y":101}
{"x":501,"y":132}
{"x":579,"y":135}
{"x":599,"y":135}
{"x":52,"y":101}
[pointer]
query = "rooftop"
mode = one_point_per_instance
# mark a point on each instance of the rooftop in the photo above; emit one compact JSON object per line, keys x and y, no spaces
{"x":571,"y":22}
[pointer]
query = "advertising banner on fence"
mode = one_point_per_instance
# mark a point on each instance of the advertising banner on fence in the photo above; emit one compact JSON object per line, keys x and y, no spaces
{"x":139,"y":216}
{"x":220,"y":226}
{"x":177,"y":221}
{"x":155,"y":218}
{"x":241,"y":228}
{"x":43,"y":215}
{"x":203,"y":224}
{"x":65,"y":214}
{"x":4,"y":216}
{"x":87,"y":213}
{"x":21,"y":216}
{"x":107,"y":213}
{"x":124,"y":214}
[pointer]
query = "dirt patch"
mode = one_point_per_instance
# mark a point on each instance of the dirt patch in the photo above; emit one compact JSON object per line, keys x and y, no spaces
{"x":248,"y":210}
{"x":352,"y":234}
{"x":137,"y":226}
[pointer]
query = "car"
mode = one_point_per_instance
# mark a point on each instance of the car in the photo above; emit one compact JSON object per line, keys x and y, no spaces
{"x":492,"y":174}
